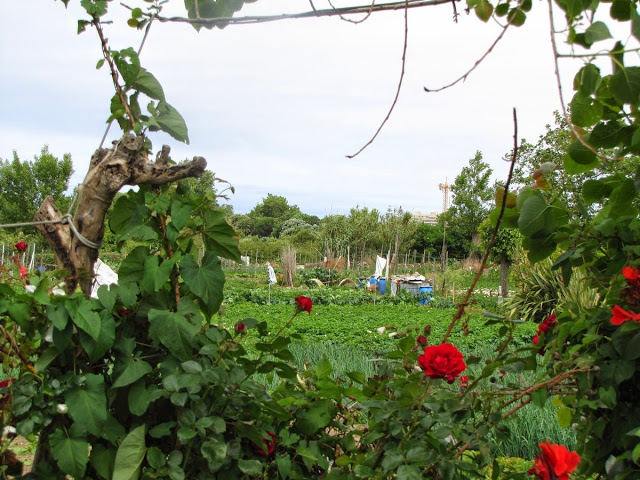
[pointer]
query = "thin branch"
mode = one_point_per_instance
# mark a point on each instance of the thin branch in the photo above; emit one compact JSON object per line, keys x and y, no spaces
{"x":475,"y":65}
{"x":330,"y":12}
{"x":342,"y":17}
{"x":16,"y":349}
{"x":556,"y":66}
{"x":114,"y":73}
{"x":395,"y":100}
{"x":465,"y":302}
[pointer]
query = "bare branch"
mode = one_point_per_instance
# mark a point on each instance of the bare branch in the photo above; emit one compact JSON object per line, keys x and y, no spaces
{"x":390,"y":6}
{"x":395,"y":100}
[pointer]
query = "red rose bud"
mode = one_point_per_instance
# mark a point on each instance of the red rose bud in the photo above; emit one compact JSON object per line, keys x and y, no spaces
{"x":554,"y":462}
{"x":123,"y":312}
{"x":464,"y":381}
{"x":536,"y":339}
{"x":23,"y":271}
{"x":240,"y":327}
{"x":304,"y":303}
{"x":21,"y":247}
{"x":268,"y":445}
{"x":422,"y":340}
{"x":442,"y":361}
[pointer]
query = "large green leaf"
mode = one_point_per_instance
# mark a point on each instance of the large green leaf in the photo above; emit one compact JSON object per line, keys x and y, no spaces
{"x":71,"y":454}
{"x":84,"y":317}
{"x":102,"y":459}
{"x":585,"y":110}
{"x":149,"y":85}
{"x":595,"y":190}
{"x":97,"y":348}
{"x":171,"y":122}
{"x":155,"y":276}
{"x":596,"y":32}
{"x":205,"y":281}
{"x":174,"y":331}
{"x":88,"y":404}
{"x":180,"y":214}
{"x":134,"y":370}
{"x":533,"y":215}
{"x":128,"y":216}
{"x":317,"y":416}
{"x":220,"y":237}
{"x":130,"y":455}
{"x":625,"y":85}
{"x":133,"y":266}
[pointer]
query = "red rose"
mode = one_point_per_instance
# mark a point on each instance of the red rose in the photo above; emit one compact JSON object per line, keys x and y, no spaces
{"x":304,"y":303}
{"x":554,"y":462}
{"x":442,"y":361}
{"x":240,"y":327}
{"x":631,"y":275}
{"x":422,"y":340}
{"x":268,"y":445}
{"x":23,"y":271}
{"x":536,"y":339}
{"x":620,"y":315}
{"x":21,"y":247}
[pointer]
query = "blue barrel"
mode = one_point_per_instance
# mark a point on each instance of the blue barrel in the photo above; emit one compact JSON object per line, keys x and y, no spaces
{"x":425,"y":294}
{"x":382,"y":286}
{"x":372,"y":280}
{"x":361,"y":282}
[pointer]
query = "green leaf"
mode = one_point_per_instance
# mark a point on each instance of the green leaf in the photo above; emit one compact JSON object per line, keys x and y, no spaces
{"x":149,"y":85}
{"x":323,"y":369}
{"x":220,"y":237}
{"x":595,"y":190}
{"x":97,"y":348}
{"x":102,"y":460}
{"x":581,"y":154}
{"x":206,"y":281}
{"x":502,"y":9}
{"x":516,"y":17}
{"x":130,"y":455}
{"x":587,"y":80}
{"x":171,"y":122}
{"x":539,"y":248}
{"x":621,"y":10}
{"x":107,"y":297}
{"x":133,"y":266}
{"x":596,"y":32}
{"x":484,"y":10}
{"x":573,"y":168}
{"x":21,"y":314}
{"x":408,"y":472}
{"x":564,"y":417}
{"x":284,"y":466}
{"x":539,"y":397}
{"x":95,"y":8}
{"x":88,"y":404}
{"x":250,"y":467}
{"x":533,"y":215}
{"x":156,"y":276}
{"x":84,"y":318}
{"x":625,"y":85}
{"x":134,"y":370}
{"x":71,"y":454}
{"x":635,"y":24}
{"x":180,"y":214}
{"x":317,"y":416}
{"x":174,"y":331}
{"x":585,"y":110}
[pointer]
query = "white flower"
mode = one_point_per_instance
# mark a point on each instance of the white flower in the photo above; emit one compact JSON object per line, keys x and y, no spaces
{"x":381,"y":330}
{"x":48,"y":336}
{"x":8,"y":431}
{"x":393,"y":334}
{"x":62,"y":408}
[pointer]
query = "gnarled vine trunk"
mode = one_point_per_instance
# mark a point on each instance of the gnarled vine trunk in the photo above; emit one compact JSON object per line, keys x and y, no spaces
{"x":76,"y":246}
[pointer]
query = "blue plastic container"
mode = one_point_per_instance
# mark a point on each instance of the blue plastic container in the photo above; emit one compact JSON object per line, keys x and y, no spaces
{"x":382,"y":286}
{"x":372,"y":280}
{"x":425,"y":294}
{"x":361,"y":282}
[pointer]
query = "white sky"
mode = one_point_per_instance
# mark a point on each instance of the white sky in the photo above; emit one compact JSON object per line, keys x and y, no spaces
{"x":275,"y":108}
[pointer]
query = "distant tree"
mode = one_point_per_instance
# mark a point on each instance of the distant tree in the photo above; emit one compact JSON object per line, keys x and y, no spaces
{"x":293,"y":226}
{"x":504,"y":250}
{"x":271,"y":213}
{"x":335,"y":232}
{"x":363,"y":229}
{"x":397,"y":230}
{"x":243,"y":223}
{"x":25,"y":184}
{"x":472,"y":194}
{"x":428,"y":238}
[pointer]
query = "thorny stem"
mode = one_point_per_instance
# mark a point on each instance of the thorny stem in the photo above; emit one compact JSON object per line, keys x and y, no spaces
{"x":464,"y":303}
{"x":114,"y":72}
{"x":16,"y":349}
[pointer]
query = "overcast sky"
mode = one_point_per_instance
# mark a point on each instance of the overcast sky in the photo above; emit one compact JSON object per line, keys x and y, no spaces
{"x":277,"y":107}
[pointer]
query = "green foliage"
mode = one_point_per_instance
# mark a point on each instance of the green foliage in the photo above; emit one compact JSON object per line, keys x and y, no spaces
{"x":25,"y":184}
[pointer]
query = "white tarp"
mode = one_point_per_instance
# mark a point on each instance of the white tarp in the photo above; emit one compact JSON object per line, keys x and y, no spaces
{"x":244,"y":259}
{"x":104,"y":275}
{"x":272,"y":274}
{"x":380,"y":263}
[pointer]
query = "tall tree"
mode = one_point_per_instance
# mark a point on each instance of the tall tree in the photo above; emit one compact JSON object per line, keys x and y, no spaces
{"x":25,"y":184}
{"x":471,"y":201}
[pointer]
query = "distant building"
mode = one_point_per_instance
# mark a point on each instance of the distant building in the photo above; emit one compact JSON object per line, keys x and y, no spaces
{"x":428,"y":218}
